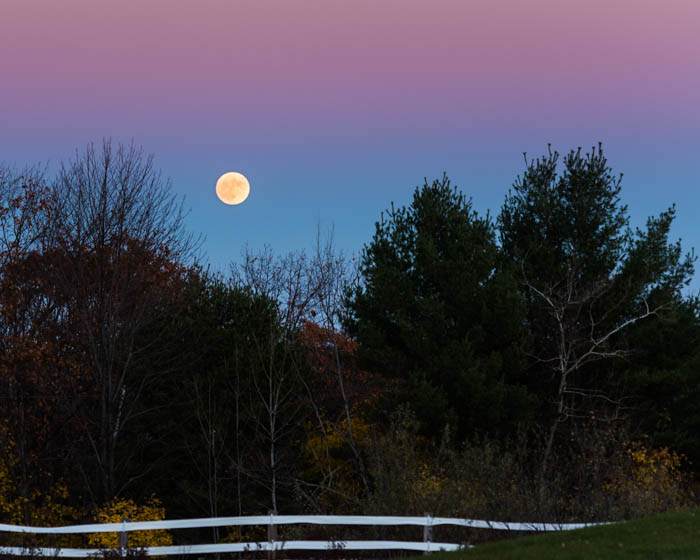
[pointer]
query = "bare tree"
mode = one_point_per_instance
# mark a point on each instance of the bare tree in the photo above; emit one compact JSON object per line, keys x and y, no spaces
{"x":123,"y":246}
{"x":582,"y":333}
{"x":275,"y":379}
{"x":333,"y":274}
{"x":307,"y":288}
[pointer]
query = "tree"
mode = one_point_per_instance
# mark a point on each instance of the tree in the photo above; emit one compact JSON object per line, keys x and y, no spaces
{"x":279,"y":383}
{"x":586,"y":277}
{"x":436,"y":308}
{"x":344,"y":400}
{"x":310,"y":368}
{"x":37,"y":348}
{"x":662,"y":379}
{"x":120,"y":248}
{"x":204,"y":414}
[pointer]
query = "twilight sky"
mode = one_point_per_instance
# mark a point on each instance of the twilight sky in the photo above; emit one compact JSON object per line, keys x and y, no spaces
{"x":335,"y":108}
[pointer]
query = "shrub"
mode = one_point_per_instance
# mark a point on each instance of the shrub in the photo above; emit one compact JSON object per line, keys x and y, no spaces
{"x":118,"y":509}
{"x":651,"y":481}
{"x":598,"y":476}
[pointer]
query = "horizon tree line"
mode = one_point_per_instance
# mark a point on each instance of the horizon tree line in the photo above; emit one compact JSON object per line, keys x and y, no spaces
{"x":284,"y":385}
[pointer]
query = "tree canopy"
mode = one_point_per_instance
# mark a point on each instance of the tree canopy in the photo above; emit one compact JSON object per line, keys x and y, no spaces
{"x":437,"y":309}
{"x":464,"y":366}
{"x":587,"y":278}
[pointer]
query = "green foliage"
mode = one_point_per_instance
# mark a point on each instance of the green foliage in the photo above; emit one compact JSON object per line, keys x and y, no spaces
{"x":588,"y":279}
{"x":554,"y":223}
{"x":437,"y":310}
{"x":663,"y":379}
{"x":567,"y":234}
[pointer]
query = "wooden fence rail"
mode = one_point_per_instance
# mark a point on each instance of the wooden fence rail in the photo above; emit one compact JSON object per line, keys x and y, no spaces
{"x":272,"y":544}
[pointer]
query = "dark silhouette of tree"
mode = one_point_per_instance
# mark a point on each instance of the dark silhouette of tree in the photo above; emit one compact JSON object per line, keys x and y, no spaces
{"x":436,"y":308}
{"x":88,"y":265}
{"x":203,"y":416}
{"x":662,"y":379}
{"x":121,"y":237}
{"x":38,"y":350}
{"x":586,"y":277}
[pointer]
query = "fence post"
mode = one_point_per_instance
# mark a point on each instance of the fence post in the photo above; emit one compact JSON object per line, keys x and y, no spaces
{"x":427,"y":534}
{"x":123,"y":537}
{"x":272,"y":536}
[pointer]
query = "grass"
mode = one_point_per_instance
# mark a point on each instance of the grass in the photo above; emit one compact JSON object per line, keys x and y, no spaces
{"x":672,"y":535}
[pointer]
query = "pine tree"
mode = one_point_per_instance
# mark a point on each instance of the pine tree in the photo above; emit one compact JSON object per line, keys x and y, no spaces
{"x":436,"y":310}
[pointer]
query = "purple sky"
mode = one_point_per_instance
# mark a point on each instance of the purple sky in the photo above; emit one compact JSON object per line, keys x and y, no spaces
{"x":334,"y":108}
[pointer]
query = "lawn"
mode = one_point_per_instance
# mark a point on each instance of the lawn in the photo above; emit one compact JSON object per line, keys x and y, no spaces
{"x":673,"y":536}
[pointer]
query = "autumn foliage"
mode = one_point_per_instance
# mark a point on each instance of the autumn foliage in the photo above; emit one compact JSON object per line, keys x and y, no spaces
{"x":119,"y":510}
{"x":134,"y":383}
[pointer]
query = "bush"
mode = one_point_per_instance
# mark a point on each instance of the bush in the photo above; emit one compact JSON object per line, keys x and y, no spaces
{"x":651,"y":481}
{"x":599,"y":476}
{"x":118,"y":509}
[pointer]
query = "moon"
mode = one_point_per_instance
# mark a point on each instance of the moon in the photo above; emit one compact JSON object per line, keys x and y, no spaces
{"x":232,"y":188}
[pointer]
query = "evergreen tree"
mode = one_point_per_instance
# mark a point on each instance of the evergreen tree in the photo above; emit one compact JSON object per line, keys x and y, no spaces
{"x":436,"y":309}
{"x":662,"y":379}
{"x":587,"y":278}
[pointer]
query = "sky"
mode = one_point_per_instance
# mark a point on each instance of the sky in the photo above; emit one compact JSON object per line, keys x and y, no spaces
{"x":335,"y":108}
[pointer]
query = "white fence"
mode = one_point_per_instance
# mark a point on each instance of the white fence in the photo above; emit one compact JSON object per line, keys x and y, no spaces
{"x":272,"y":544}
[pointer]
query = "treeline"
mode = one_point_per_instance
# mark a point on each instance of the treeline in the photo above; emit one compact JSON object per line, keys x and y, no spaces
{"x":542,"y":365}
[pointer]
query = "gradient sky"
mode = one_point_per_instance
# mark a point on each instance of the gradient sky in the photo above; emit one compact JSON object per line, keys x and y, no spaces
{"x":335,"y":108}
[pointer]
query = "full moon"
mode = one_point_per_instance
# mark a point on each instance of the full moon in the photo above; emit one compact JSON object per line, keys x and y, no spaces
{"x":232,"y":188}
